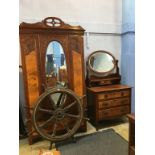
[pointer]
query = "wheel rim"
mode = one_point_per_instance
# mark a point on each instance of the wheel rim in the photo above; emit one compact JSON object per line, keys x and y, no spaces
{"x":64,"y":115}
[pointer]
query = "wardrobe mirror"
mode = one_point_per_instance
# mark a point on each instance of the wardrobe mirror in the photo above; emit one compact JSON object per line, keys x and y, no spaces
{"x":101,"y":62}
{"x":55,"y":66}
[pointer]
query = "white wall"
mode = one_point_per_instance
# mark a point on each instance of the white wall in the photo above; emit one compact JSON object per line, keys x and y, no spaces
{"x":101,"y":18}
{"x":109,"y":42}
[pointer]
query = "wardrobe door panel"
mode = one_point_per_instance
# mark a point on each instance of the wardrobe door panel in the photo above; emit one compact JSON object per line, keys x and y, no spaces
{"x":29,"y":53}
{"x":77,"y":60}
{"x":30,"y":57}
{"x":76,"y":49}
{"x":45,"y":40}
{"x":77,"y":71}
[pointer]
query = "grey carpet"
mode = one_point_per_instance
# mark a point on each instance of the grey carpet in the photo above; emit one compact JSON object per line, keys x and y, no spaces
{"x":106,"y":142}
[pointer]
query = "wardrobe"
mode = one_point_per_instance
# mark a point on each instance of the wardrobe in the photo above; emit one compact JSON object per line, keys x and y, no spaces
{"x":35,"y":39}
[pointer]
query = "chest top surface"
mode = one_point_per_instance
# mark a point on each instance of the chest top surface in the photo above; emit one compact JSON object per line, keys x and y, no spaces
{"x":108,"y":88}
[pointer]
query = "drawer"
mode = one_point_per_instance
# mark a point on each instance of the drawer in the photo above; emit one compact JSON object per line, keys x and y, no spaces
{"x":114,"y":102}
{"x":111,"y":95}
{"x":117,"y":111}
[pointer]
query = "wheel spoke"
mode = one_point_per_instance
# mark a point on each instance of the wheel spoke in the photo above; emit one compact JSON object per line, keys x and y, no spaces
{"x":54,"y":129}
{"x":71,"y":115}
{"x":45,"y":123}
{"x":60,"y":97}
{"x":69,"y":106}
{"x":62,"y":102}
{"x":66,"y":126}
{"x":46,"y":111}
{"x":52,"y":102}
{"x":30,"y":133}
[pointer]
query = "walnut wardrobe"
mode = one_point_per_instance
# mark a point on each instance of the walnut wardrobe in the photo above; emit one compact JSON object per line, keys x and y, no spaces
{"x":35,"y":39}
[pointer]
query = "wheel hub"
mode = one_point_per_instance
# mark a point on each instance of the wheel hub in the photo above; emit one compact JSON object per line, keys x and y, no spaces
{"x":59,"y":114}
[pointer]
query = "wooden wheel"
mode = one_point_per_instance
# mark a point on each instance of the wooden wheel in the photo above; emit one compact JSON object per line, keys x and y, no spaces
{"x":57,"y":114}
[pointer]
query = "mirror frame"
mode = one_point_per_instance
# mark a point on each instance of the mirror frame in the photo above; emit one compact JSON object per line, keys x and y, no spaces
{"x":101,"y":73}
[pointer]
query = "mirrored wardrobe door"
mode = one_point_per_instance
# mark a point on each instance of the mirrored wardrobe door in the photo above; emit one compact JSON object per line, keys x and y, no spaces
{"x":55,"y":64}
{"x":54,"y":60}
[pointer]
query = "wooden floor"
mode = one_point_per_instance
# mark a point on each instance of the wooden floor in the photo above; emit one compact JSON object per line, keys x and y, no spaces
{"x":43,"y":146}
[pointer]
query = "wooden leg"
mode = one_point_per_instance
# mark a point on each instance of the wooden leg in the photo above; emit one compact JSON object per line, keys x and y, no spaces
{"x":50,"y":148}
{"x":73,"y":139}
{"x":97,"y":125}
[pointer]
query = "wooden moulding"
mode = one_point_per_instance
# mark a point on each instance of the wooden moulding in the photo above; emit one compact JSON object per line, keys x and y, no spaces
{"x":53,"y":24}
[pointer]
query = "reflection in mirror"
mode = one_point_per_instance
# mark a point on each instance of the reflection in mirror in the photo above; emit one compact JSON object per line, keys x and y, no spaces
{"x":55,"y":66}
{"x":101,"y":62}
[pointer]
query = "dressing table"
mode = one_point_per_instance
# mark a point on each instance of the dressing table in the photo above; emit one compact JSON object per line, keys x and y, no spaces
{"x":106,"y":97}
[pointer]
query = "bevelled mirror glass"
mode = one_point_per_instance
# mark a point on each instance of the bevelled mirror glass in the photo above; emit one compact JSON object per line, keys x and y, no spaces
{"x":55,"y":66}
{"x":101,"y":62}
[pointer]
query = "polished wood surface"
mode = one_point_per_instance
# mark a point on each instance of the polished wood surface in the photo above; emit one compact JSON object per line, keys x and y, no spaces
{"x":106,"y":97}
{"x":43,"y":27}
{"x":108,"y":88}
{"x":108,"y":102}
{"x":131,"y":118}
{"x":77,"y":71}
{"x":34,"y":40}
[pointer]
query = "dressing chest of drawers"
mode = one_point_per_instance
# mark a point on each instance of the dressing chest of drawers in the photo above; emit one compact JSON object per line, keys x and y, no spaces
{"x":108,"y":102}
{"x":107,"y":98}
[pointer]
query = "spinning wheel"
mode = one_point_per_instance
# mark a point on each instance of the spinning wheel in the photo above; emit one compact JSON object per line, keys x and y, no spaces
{"x":57,"y":114}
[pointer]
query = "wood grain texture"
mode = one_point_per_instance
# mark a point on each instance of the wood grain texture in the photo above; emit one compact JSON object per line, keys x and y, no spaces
{"x":108,"y":88}
{"x":108,"y":102}
{"x":32,"y":77}
{"x":77,"y":78}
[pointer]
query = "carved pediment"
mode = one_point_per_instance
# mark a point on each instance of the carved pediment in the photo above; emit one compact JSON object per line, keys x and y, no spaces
{"x":50,"y":23}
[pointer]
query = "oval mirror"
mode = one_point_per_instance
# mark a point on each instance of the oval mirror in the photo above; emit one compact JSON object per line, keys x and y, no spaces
{"x":55,"y":65}
{"x":101,"y":61}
